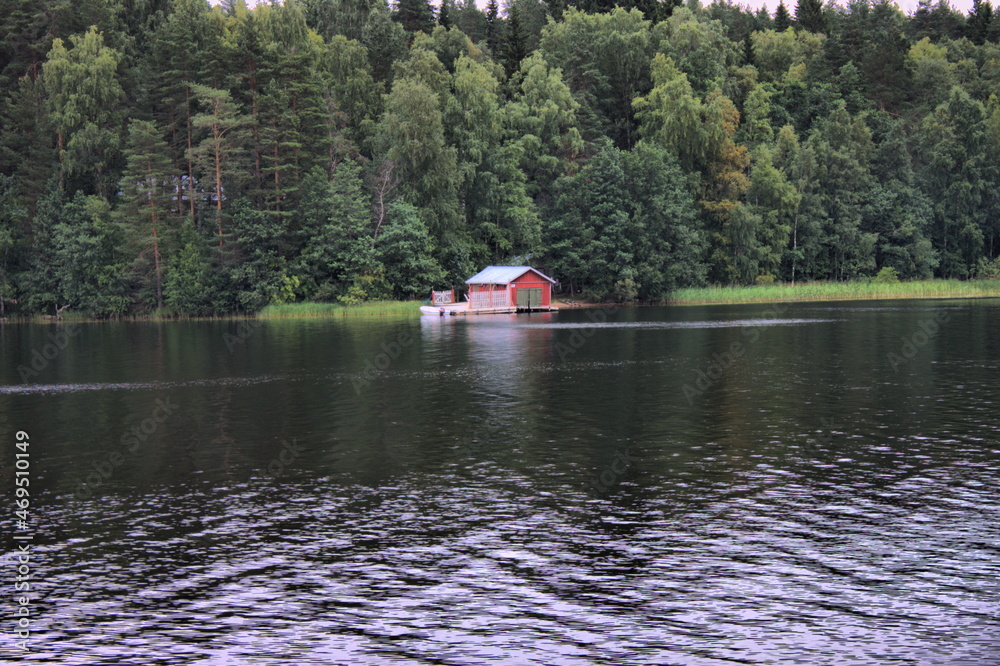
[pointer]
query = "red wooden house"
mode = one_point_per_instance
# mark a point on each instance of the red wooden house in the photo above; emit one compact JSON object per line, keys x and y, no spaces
{"x":510,"y":289}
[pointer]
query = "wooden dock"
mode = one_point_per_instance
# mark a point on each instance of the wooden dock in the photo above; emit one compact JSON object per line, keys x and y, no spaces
{"x":463,"y":309}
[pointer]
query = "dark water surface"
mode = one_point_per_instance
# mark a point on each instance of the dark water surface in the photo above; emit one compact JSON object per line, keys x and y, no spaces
{"x":813,"y":484}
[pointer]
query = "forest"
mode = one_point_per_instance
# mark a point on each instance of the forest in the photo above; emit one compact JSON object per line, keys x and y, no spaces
{"x":176,"y":158}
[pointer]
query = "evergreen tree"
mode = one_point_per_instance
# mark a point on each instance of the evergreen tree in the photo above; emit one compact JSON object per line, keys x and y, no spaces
{"x":175,"y":63}
{"x":26,"y":148}
{"x":406,"y":250}
{"x":782,"y":19}
{"x":39,"y":284}
{"x":493,"y":26}
{"x":386,"y":41}
{"x":444,"y":14}
{"x":809,"y":15}
{"x":415,"y":15}
{"x":233,"y":7}
{"x":336,"y":237}
{"x":977,"y":26}
{"x":10,"y":242}
{"x":218,"y":153}
{"x":515,"y":47}
{"x":471,"y":20}
{"x":555,"y":9}
{"x":188,"y":285}
{"x":352,"y":96}
{"x":748,"y":55}
{"x":147,"y":187}
{"x":627,"y":227}
{"x":258,"y":272}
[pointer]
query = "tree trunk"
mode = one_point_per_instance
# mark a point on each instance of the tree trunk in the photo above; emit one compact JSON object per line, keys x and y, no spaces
{"x":190,"y":161}
{"x":795,"y":246}
{"x":217,"y":135}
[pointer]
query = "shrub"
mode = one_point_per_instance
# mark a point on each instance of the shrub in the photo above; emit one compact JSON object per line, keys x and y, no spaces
{"x":888,"y":275}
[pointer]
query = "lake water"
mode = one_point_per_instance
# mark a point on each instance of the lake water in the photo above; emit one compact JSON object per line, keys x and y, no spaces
{"x":813,"y":483}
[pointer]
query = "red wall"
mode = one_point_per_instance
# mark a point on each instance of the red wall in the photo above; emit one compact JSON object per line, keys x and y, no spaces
{"x":530,"y":280}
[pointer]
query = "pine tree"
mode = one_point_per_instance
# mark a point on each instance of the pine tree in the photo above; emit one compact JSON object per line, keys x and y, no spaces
{"x":555,"y":9}
{"x":175,"y":62}
{"x":233,"y":7}
{"x":809,"y":15}
{"x":415,"y":15}
{"x":493,"y":26}
{"x":222,"y":123}
{"x":515,"y":46}
{"x":336,"y":243}
{"x":782,"y":20}
{"x":977,"y":27}
{"x":444,"y":14}
{"x":147,"y":188}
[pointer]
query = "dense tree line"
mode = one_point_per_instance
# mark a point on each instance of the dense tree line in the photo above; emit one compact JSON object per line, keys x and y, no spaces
{"x":170,"y":155}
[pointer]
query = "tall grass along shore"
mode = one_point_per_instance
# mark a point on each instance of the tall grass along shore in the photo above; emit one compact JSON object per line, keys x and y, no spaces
{"x":836,"y":291}
{"x":372,"y":309}
{"x":771,"y":293}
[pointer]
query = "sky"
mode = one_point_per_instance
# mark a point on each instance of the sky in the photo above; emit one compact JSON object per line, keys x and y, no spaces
{"x":908,"y":6}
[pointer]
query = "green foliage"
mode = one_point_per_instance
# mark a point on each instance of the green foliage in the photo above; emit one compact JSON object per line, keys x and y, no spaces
{"x":887,"y":275}
{"x":809,"y":15}
{"x":698,"y":47}
{"x":406,"y":251}
{"x":415,"y":15}
{"x":335,"y":239}
{"x":782,"y":19}
{"x":188,"y":282}
{"x":89,"y":268}
{"x":605,"y":60}
{"x":628,"y":228}
{"x":202,"y":160}
{"x":83,"y":91}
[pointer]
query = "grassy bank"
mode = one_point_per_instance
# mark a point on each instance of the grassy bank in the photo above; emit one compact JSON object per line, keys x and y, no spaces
{"x":836,"y":291}
{"x":373,"y":309}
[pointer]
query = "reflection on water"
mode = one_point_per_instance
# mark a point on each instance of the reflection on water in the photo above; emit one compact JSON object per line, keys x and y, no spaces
{"x":498,"y":491}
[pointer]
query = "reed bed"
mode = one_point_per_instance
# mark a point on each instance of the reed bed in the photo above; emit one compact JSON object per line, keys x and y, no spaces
{"x":371,"y":309}
{"x":836,"y":291}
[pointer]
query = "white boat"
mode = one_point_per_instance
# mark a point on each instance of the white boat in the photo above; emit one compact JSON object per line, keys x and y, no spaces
{"x":444,"y":310}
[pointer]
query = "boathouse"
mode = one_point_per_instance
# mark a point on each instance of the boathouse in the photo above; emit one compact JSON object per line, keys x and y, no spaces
{"x":509,"y":289}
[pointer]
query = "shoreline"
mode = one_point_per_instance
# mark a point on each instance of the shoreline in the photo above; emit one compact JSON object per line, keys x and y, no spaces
{"x":806,"y":292}
{"x":814,"y":292}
